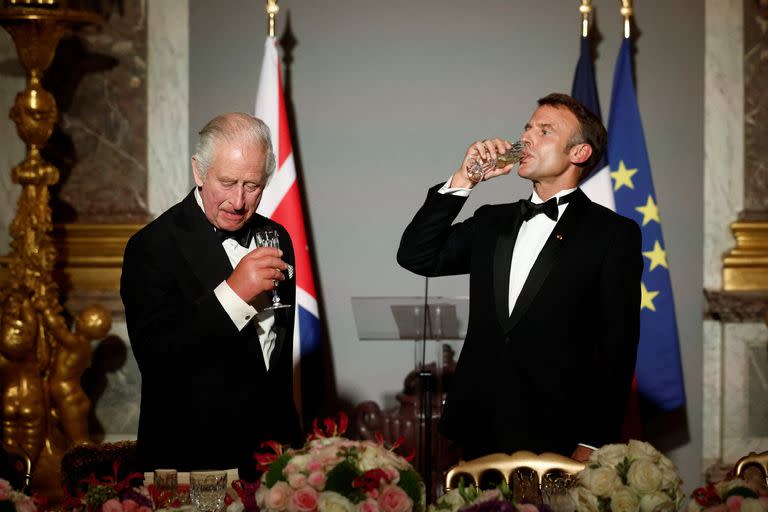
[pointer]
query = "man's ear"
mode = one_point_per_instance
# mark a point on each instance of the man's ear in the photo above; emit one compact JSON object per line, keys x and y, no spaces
{"x":580,"y":153}
{"x":196,"y":172}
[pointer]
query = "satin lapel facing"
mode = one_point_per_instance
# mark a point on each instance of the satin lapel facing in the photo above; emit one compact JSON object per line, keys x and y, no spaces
{"x":547,"y":258}
{"x":502,"y":258}
{"x":200,"y":245}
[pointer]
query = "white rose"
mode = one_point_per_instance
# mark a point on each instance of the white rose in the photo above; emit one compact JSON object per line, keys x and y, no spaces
{"x":236,"y":506}
{"x":600,"y":481}
{"x":610,"y":454}
{"x":624,"y":500}
{"x":452,"y":498}
{"x":693,"y":506}
{"x":644,"y":477}
{"x":584,"y":500}
{"x":641,"y":450}
{"x":333,"y":502}
{"x":299,"y":461}
{"x":751,"y":505}
{"x":669,"y":478}
{"x":657,"y":502}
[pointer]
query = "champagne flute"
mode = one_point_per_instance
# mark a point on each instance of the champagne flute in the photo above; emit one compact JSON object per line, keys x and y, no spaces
{"x":269,"y":238}
{"x":477,"y":166}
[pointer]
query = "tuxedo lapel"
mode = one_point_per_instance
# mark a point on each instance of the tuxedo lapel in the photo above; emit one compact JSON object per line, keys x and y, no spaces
{"x":200,"y":245}
{"x":505,"y":245}
{"x":547,"y":258}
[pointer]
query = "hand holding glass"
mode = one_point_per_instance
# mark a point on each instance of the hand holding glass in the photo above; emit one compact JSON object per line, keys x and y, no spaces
{"x":477,"y":166}
{"x":269,"y":238}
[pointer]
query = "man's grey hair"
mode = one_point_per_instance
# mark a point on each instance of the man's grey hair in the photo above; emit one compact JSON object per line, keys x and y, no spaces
{"x":233,"y":128}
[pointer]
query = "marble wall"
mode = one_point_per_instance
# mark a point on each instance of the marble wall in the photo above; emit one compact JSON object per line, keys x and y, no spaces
{"x":735,"y":341}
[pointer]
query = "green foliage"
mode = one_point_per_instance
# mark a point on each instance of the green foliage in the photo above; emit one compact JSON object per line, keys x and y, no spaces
{"x":98,"y":494}
{"x":746,"y":492}
{"x":604,"y":504}
{"x":410,"y":482}
{"x":469,"y":494}
{"x":339,"y":480}
{"x":622,"y":468}
{"x":275,"y":472}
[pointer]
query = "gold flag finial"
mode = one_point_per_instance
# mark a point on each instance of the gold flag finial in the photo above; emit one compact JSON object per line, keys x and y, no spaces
{"x":626,"y":11}
{"x":586,"y":11}
{"x":272,"y":10}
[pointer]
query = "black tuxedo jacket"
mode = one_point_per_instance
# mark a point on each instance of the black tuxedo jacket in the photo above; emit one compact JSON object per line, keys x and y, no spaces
{"x":558,"y":370}
{"x":207,"y":400}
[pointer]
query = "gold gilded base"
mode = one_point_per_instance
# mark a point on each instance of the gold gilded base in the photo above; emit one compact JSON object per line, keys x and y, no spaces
{"x":745,"y":267}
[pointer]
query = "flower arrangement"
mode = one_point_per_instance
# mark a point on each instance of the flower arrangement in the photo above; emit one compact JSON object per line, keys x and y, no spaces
{"x":110,"y":494}
{"x":14,"y":501}
{"x":472,"y":499}
{"x":730,"y":495}
{"x":334,"y":474}
{"x":628,"y":478}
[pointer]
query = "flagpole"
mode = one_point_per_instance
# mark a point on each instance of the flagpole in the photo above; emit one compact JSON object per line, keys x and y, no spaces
{"x":626,"y":11}
{"x":272,"y":10}
{"x":586,"y":12}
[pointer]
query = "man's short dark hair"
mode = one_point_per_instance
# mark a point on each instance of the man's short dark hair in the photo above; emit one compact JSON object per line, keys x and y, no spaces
{"x":591,"y":129}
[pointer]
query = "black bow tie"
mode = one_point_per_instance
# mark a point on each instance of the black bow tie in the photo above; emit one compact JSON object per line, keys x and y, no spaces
{"x":241,"y":236}
{"x":529,"y":209}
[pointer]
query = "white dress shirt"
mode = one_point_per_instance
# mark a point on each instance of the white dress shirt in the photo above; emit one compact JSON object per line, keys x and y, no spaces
{"x":238,"y":310}
{"x":530,"y":240}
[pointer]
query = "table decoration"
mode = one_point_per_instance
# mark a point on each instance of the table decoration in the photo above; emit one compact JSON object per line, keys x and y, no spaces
{"x":732,"y":494}
{"x":331,"y":473}
{"x":628,"y":478}
{"x":12,"y":500}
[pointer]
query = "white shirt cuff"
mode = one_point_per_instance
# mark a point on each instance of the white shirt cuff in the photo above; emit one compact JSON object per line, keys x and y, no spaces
{"x":460,"y":192}
{"x":588,"y":446}
{"x":238,"y":310}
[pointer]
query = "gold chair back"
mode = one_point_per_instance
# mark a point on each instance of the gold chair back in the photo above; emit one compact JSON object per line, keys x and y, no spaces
{"x":506,"y":464}
{"x":753,"y":459}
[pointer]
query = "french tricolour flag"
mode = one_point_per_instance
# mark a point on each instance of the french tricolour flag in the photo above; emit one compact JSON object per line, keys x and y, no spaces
{"x":282,"y":203}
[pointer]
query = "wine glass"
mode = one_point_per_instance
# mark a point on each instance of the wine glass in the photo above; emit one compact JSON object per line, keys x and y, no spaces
{"x":269,"y":238}
{"x":477,"y":166}
{"x":166,"y":487}
{"x":207,"y":490}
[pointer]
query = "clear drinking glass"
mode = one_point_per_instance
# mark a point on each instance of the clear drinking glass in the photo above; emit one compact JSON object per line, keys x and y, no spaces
{"x":166,"y":487}
{"x":269,"y":238}
{"x":207,"y":490}
{"x":478,"y":166}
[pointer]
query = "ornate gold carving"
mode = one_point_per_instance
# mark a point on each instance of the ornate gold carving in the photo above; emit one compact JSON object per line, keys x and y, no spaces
{"x":745,"y":267}
{"x":44,"y":407}
{"x":272,"y":10}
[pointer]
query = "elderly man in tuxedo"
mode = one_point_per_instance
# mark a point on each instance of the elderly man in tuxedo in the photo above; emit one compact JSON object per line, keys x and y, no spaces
{"x":549,"y":354}
{"x":216,"y":365}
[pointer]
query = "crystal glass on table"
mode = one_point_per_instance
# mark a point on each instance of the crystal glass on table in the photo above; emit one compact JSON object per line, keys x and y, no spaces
{"x":477,"y":167}
{"x":207,"y":490}
{"x":166,"y":487}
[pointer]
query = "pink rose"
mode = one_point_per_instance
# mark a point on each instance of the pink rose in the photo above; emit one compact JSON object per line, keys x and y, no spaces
{"x":290,"y":469}
{"x":763,"y":501}
{"x":112,"y":505}
{"x":368,"y":506}
{"x":392,"y":474}
{"x":303,"y":500}
{"x":313,"y":466}
{"x":278,"y":496}
{"x":5,"y":489}
{"x":394,"y":499}
{"x":25,"y":504}
{"x":145,"y":509}
{"x":526,"y":507}
{"x":297,"y":480}
{"x":734,"y":503}
{"x":130,"y":506}
{"x":317,"y":480}
{"x":717,"y":508}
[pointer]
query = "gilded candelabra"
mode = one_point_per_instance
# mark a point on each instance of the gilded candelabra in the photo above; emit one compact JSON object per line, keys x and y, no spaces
{"x":41,"y":360}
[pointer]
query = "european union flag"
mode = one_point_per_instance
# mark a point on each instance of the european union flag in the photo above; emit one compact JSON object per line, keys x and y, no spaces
{"x":658,"y":370}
